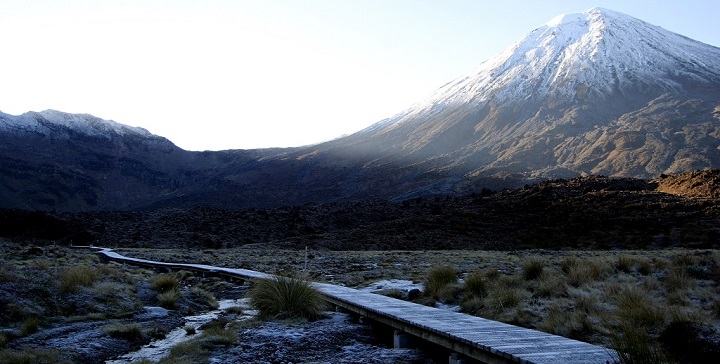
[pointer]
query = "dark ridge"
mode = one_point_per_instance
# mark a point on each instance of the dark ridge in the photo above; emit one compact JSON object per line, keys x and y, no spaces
{"x":581,"y":213}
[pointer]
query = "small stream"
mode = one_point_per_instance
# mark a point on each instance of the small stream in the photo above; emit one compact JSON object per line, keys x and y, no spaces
{"x":158,"y":349}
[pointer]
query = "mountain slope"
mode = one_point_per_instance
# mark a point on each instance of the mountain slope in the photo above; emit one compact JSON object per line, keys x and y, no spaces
{"x":593,"y":93}
{"x":585,"y":94}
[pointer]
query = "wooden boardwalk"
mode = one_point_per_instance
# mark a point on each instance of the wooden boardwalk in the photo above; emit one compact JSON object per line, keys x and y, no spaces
{"x":481,"y":339}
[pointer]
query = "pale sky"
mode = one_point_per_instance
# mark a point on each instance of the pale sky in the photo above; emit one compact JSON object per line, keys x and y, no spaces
{"x":214,"y":74}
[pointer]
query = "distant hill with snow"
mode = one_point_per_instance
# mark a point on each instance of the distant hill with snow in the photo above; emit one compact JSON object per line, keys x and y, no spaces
{"x":584,"y":94}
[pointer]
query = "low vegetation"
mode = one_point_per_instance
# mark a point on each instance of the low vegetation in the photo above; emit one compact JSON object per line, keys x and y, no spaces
{"x":286,"y":298}
{"x":440,"y":283}
{"x":611,"y":298}
{"x":52,"y":286}
{"x":633,"y":301}
{"x":626,"y":301}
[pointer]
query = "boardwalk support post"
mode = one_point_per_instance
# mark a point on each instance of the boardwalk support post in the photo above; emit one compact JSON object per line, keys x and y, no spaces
{"x":456,"y":358}
{"x":401,"y":340}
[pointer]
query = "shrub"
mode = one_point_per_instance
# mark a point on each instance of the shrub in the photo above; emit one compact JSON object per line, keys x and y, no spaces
{"x":164,"y":283}
{"x":438,"y":278}
{"x":504,"y":297}
{"x":677,"y":279}
{"x":636,"y":308}
{"x":29,"y":356}
{"x":472,"y":305}
{"x":635,"y":347}
{"x":188,"y":352}
{"x":29,"y":325}
{"x":203,"y":297}
{"x":7,"y":274}
{"x":448,"y":294}
{"x":532,"y":268}
{"x":234,"y":310}
{"x":476,"y":285}
{"x":585,"y":272}
{"x":715,"y":306}
{"x":492,"y":273}
{"x":566,"y":322}
{"x":549,"y":285}
{"x":645,"y":267}
{"x":73,"y":277}
{"x":218,"y":335}
{"x":568,"y":263}
{"x":4,"y":339}
{"x":625,"y":263}
{"x":286,"y":298}
{"x":130,"y":332}
{"x":168,"y":299}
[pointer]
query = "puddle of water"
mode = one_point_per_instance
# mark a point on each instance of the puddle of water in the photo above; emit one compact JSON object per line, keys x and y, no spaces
{"x":158,"y":349}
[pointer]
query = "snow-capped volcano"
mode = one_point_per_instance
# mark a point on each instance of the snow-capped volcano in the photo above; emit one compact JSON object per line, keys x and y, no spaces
{"x":597,"y":92}
{"x":587,"y":55}
{"x":592,"y":93}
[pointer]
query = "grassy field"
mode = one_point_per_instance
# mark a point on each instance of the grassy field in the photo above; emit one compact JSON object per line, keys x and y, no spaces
{"x":661,"y":305}
{"x":642,"y":302}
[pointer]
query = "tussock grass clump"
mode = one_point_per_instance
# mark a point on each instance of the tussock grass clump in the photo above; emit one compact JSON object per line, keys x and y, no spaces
{"x":504,"y":297}
{"x":476,"y":284}
{"x":645,"y":267}
{"x":564,"y":321}
{"x":634,"y":346}
{"x":216,"y":333}
{"x":234,"y":310}
{"x":286,"y":298}
{"x":532,"y":268}
{"x":203,"y":297}
{"x":7,"y":274}
{"x":168,"y":299}
{"x":472,"y":305}
{"x":585,"y":272}
{"x":678,"y":279}
{"x":636,"y":308}
{"x":168,"y":288}
{"x":568,"y":263}
{"x":438,"y":279}
{"x":29,"y":325}
{"x":189,"y":352}
{"x":73,"y":277}
{"x":625,"y":263}
{"x":130,"y":332}
{"x":29,"y":356}
{"x":549,"y":285}
{"x":4,"y":339}
{"x":164,"y":283}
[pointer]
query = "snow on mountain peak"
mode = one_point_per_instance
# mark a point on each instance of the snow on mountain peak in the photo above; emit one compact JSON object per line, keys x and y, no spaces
{"x":91,"y":125}
{"x":48,"y":120}
{"x":579,"y":56}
